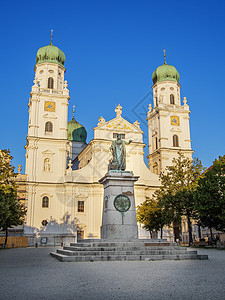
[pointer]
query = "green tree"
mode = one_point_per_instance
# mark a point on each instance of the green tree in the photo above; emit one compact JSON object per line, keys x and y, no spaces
{"x":210,"y":196}
{"x":7,"y":173}
{"x":150,"y":215}
{"x":176,"y":195}
{"x":11,"y":211}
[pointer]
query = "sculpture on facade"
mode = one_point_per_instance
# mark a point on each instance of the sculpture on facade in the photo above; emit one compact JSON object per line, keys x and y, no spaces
{"x":118,"y":149}
{"x":47,"y":164}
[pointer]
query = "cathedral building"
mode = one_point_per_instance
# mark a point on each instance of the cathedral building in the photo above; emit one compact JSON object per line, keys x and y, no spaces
{"x":64,"y":196}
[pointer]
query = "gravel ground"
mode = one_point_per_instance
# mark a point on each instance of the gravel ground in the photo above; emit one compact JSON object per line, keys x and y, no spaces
{"x":31,"y":273}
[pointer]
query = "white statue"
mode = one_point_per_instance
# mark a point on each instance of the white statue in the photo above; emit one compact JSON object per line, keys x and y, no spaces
{"x":136,"y":123}
{"x":47,"y":164}
{"x":101,"y":121}
{"x":118,"y":110}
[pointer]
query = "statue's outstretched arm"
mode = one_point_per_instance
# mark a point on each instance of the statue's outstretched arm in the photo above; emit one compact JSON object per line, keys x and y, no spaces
{"x":127,"y":143}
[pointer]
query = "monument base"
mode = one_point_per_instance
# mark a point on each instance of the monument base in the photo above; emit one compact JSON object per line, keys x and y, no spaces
{"x":119,"y":232}
{"x":119,"y":212}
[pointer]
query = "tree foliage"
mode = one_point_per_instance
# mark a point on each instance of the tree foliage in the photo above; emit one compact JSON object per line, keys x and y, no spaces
{"x":7,"y":173}
{"x":183,"y":174}
{"x":11,"y":211}
{"x":150,"y":215}
{"x":210,"y":196}
{"x":176,"y":195}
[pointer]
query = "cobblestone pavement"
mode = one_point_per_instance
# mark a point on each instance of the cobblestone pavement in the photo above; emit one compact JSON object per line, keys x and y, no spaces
{"x":31,"y":273}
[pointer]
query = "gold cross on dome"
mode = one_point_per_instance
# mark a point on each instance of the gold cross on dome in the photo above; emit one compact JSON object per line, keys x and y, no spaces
{"x":51,"y":36}
{"x":164,"y":51}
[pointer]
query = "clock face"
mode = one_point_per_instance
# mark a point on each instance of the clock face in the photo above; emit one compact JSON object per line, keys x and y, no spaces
{"x":122,"y":203}
{"x":175,"y":120}
{"x":49,"y":106}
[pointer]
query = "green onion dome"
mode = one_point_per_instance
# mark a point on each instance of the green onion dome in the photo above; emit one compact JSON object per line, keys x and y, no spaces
{"x":51,"y":54}
{"x":164,"y":73}
{"x":76,"y":132}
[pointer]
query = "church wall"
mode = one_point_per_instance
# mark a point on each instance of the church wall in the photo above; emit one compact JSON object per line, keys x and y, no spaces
{"x":75,"y":149}
{"x":62,"y":214}
{"x":48,"y":162}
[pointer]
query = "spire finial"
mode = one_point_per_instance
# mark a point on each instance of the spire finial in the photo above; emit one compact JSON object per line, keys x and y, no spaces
{"x":164,"y":51}
{"x":19,"y":169}
{"x":51,"y":36}
{"x":73,"y":110}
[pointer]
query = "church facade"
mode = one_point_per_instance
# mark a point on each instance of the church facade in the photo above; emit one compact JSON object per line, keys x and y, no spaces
{"x":64,"y":196}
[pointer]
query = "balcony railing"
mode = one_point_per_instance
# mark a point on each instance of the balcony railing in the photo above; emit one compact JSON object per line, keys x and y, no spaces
{"x":51,"y":91}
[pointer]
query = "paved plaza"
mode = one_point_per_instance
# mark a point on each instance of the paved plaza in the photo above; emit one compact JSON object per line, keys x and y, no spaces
{"x":31,"y":273}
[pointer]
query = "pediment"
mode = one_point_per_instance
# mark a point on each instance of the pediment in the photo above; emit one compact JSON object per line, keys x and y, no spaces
{"x":48,"y":152}
{"x":119,"y":124}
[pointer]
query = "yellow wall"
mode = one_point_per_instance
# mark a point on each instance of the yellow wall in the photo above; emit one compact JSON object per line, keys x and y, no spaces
{"x":18,"y":241}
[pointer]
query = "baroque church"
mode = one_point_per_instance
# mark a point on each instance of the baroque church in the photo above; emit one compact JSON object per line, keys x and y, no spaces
{"x":64,"y":196}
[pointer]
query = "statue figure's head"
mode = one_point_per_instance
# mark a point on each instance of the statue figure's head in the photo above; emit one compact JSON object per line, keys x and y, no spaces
{"x":118,"y":136}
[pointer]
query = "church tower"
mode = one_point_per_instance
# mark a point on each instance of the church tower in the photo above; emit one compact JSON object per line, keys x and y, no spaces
{"x":168,"y":120}
{"x":46,"y":149}
{"x":47,"y":144}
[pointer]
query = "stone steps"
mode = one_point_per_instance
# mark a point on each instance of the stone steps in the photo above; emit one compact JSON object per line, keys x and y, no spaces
{"x":140,"y":252}
{"x":123,"y":251}
{"x":153,"y":243}
{"x":92,"y":249}
{"x":116,"y":257}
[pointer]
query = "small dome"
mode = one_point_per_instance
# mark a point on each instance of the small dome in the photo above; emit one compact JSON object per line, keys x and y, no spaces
{"x":165,"y":72}
{"x":51,"y":54}
{"x":76,"y":132}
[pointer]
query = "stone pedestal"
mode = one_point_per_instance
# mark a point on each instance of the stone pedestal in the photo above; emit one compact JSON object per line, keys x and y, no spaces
{"x":119,"y":219}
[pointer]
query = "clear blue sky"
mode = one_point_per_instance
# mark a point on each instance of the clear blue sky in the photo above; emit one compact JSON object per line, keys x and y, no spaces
{"x":112,"y":47}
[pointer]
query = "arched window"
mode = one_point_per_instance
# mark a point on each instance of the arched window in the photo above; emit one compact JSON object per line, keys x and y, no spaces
{"x":175,"y":141}
{"x":50,"y":83}
{"x":45,"y":201}
{"x":47,"y":164}
{"x":156,"y":143}
{"x":172,"y":101}
{"x":48,"y":127}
